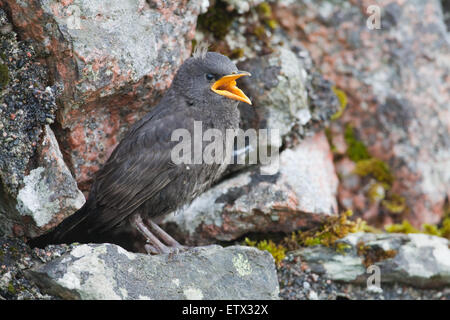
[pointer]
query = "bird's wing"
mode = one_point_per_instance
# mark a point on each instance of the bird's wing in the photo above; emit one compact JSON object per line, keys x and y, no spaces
{"x":138,"y":169}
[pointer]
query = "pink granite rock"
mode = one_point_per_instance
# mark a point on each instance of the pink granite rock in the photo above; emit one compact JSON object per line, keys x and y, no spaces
{"x":115,"y":60}
{"x":397,"y":80}
{"x":37,"y":189}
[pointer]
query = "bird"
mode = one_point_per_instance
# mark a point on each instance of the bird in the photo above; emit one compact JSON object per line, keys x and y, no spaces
{"x":140,"y":182}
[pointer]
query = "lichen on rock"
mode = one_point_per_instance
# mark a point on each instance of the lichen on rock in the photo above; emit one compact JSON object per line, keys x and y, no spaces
{"x":101,"y":271}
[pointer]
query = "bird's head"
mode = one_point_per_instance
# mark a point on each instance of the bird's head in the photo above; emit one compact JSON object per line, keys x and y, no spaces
{"x":210,"y":78}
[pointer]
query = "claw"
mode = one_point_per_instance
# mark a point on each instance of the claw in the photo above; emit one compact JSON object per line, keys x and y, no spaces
{"x":154,"y":245}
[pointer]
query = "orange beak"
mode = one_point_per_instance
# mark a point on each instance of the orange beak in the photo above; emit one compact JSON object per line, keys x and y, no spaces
{"x":226,"y":86}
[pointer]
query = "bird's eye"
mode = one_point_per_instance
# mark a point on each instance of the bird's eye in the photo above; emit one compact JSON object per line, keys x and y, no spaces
{"x":209,"y":76}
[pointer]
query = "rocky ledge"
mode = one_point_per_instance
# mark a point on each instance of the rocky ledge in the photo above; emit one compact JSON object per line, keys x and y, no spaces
{"x":409,"y":266}
{"x":106,"y":271}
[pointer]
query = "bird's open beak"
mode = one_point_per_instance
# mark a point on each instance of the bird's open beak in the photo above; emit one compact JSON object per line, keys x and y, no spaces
{"x":226,"y":86}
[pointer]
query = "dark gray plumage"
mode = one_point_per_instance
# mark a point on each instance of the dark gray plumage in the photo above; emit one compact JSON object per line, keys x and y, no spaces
{"x":139,"y":181}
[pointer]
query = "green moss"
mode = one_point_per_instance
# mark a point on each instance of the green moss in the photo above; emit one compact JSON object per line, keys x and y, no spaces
{"x":11,"y":288}
{"x":277,"y":251}
{"x":395,"y":203}
{"x":366,"y":165}
{"x":265,"y":14}
{"x":333,"y":229}
{"x":373,"y":254}
{"x":440,"y":230}
{"x":370,"y":229}
{"x":342,"y":247}
{"x":431,"y":229}
{"x":376,"y":168}
{"x":377,"y":192}
{"x":259,"y":32}
{"x":194,"y":44}
{"x":236,"y":53}
{"x":264,"y":10}
{"x":329,"y":136}
{"x":272,"y":24}
{"x":445,"y":229}
{"x":4,"y":75}
{"x":434,"y":230}
{"x":404,"y":227}
{"x":356,"y":150}
{"x":314,"y":241}
{"x":445,"y":224}
{"x":343,"y":101}
{"x":217,"y":20}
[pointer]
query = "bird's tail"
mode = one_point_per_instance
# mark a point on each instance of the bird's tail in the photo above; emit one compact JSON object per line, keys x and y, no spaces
{"x":68,"y":231}
{"x":42,"y":240}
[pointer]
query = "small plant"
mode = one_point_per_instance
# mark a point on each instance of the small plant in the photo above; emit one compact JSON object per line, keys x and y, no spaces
{"x":4,"y":75}
{"x":265,"y":13}
{"x":277,"y":251}
{"x":343,"y":100}
{"x":434,"y":230}
{"x":356,"y":149}
{"x":217,"y":20}
{"x":376,"y":168}
{"x":395,"y":203}
{"x":333,"y":229}
{"x":404,"y":227}
{"x":373,"y":254}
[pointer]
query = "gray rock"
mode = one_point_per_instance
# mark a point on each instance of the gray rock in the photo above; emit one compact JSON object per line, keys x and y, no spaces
{"x":35,"y":181}
{"x":25,"y":103}
{"x":242,"y":6}
{"x":446,"y":11}
{"x":277,"y":89}
{"x":106,"y":271}
{"x":49,"y":190}
{"x":300,"y":194}
{"x":15,"y":257}
{"x":418,"y":260}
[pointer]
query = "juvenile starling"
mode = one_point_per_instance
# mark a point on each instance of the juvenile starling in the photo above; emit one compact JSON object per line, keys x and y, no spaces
{"x":140,"y":182}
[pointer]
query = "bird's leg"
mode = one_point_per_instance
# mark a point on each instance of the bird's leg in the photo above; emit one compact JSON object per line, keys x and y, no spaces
{"x":154,"y":246}
{"x":150,"y":249}
{"x":165,"y":236}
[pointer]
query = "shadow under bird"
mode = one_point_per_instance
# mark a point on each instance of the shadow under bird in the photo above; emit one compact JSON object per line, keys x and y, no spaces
{"x":139,"y":182}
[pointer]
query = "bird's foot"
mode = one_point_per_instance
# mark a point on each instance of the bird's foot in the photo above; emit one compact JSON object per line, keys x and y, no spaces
{"x":164,"y":236}
{"x":153,"y":244}
{"x":152,"y":249}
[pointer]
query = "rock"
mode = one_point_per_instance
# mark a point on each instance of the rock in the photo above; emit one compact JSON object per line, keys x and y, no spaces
{"x":446,"y":9}
{"x":297,"y":281}
{"x":25,"y":103}
{"x":15,"y":257}
{"x":49,"y":193}
{"x":47,"y":196}
{"x":35,"y":180}
{"x":288,"y":93}
{"x":114,"y":61}
{"x":289,"y":99}
{"x":300,"y":195}
{"x":278,"y":91}
{"x":107,"y":271}
{"x":242,"y":6}
{"x":418,"y":260}
{"x":396,"y":80}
